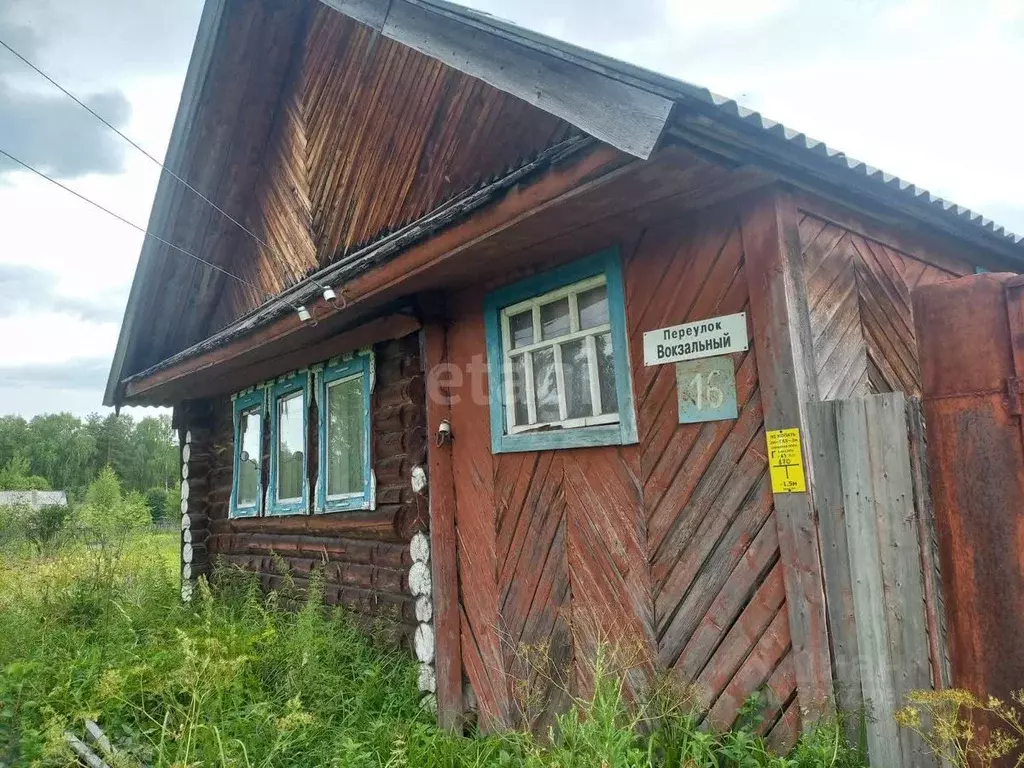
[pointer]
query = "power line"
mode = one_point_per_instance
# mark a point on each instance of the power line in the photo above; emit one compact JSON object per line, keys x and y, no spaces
{"x":131,"y":224}
{"x":163,"y":167}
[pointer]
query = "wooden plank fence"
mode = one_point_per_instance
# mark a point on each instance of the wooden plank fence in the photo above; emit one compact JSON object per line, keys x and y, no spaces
{"x":880,"y":566}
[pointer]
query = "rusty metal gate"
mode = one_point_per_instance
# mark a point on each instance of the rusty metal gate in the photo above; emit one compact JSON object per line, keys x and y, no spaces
{"x":971,"y":341}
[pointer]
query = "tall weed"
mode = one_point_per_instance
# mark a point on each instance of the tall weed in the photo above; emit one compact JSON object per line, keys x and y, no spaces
{"x":234,"y":679}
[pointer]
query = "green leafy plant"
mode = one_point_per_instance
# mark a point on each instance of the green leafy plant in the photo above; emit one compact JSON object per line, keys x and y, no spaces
{"x":236,"y":678}
{"x":109,"y":517}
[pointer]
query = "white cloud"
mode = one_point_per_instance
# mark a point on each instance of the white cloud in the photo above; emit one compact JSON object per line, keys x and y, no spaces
{"x":47,"y":337}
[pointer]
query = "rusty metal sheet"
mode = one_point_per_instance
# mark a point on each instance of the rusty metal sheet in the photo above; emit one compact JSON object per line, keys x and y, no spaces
{"x":976,"y":458}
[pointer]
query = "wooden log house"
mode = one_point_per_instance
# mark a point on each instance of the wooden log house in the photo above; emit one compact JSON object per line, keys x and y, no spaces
{"x":419,"y":358}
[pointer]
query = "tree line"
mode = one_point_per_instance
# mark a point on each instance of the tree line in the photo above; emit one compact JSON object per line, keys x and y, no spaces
{"x":62,"y":452}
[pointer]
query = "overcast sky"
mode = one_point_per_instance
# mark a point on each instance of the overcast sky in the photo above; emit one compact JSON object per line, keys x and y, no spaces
{"x":926,"y":89}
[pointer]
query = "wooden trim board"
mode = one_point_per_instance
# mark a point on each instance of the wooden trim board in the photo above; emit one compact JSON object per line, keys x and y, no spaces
{"x":782,"y":343}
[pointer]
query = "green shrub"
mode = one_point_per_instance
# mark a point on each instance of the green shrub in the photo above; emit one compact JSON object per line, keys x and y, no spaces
{"x":42,"y":529}
{"x":108,"y":517}
{"x":17,"y":475}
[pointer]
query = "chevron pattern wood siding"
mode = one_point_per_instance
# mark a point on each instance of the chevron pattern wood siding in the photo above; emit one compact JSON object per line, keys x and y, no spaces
{"x":667,"y":549}
{"x":858,"y":295}
{"x":344,"y":168}
{"x":338,"y":136}
{"x":476,"y":535}
{"x":719,"y":609}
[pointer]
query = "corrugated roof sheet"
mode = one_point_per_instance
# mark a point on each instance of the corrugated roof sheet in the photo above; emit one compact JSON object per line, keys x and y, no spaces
{"x":726,"y":107}
{"x":733,"y":109}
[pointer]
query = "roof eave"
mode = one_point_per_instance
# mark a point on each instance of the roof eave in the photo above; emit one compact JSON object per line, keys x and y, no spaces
{"x":746,"y":136}
{"x":164,"y":202}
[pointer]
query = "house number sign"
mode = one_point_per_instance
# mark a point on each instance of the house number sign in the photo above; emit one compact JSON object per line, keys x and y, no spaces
{"x":707,"y":390}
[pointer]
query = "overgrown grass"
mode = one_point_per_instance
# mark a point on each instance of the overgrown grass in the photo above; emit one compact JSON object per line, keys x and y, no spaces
{"x":237,"y":681}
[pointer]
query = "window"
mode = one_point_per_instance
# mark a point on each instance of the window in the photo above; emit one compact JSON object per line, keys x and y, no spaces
{"x":556,"y":347}
{"x":247,"y":483}
{"x":289,"y":486}
{"x":345,"y":479}
{"x":340,"y":436}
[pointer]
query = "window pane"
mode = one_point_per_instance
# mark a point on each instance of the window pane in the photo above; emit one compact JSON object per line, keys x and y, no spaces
{"x":576,"y":372}
{"x":606,"y":374}
{"x":545,"y":385}
{"x":593,"y":306}
{"x":345,"y":437}
{"x":554,"y":319}
{"x":248,"y":459}
{"x":520,"y":329}
{"x":521,"y":414}
{"x":291,"y":446}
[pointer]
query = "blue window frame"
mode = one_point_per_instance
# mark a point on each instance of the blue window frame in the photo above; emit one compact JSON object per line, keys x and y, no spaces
{"x":289,"y":435}
{"x":247,"y":479}
{"x":558,"y":359}
{"x":345,"y":480}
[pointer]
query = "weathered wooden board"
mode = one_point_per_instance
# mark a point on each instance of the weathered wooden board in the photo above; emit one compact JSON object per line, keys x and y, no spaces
{"x":473,"y":472}
{"x":866,"y":578}
{"x":782,"y":341}
{"x":836,"y":558}
{"x":302,"y":104}
{"x":931,"y":570}
{"x":443,"y":553}
{"x":616,"y":112}
{"x":859,"y":277}
{"x":869,"y":492}
{"x":899,"y":547}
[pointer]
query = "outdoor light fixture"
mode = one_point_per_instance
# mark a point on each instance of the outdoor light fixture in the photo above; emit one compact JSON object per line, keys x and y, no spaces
{"x":304,"y":314}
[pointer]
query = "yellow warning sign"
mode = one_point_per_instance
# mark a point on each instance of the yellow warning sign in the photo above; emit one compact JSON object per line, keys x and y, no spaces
{"x":786,"y":461}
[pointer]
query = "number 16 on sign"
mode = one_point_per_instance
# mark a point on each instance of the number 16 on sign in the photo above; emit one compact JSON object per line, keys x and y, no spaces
{"x":707,"y":390}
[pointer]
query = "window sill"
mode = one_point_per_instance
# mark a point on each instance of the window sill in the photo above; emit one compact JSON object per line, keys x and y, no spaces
{"x":354,"y":504}
{"x":298,"y":508}
{"x":555,"y":439}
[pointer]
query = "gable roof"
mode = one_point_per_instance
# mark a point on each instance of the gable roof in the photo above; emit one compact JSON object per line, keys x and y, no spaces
{"x":627,"y":107}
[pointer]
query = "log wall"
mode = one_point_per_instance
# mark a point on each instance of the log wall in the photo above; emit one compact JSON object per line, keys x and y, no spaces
{"x":365,"y":554}
{"x":668,"y":549}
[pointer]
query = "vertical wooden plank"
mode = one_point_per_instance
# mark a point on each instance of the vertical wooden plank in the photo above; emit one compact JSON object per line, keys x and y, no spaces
{"x":866,"y":578}
{"x":900,"y":557}
{"x":828,"y":497}
{"x":785,"y":363}
{"x":476,"y":512}
{"x":934,"y":608}
{"x":448,"y":653}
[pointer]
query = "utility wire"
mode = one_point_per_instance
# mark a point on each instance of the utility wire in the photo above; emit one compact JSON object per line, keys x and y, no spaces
{"x":131,"y":224}
{"x":163,"y":167}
